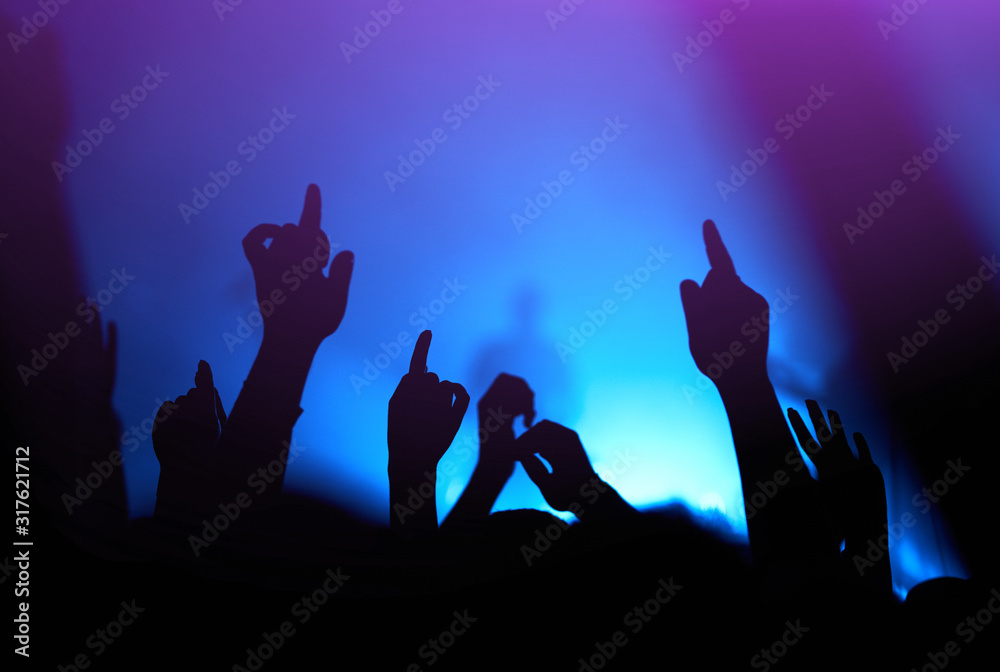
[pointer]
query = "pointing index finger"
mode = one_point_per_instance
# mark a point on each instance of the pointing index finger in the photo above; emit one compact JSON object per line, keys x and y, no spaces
{"x":203,"y":378}
{"x":718,"y":255}
{"x":418,"y":362}
{"x":253,"y":242}
{"x":309,"y":221}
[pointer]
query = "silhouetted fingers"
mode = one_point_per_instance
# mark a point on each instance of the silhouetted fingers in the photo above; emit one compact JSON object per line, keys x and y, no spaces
{"x":513,"y":393}
{"x":524,"y":399}
{"x":204,"y":382}
{"x":182,"y":409}
{"x":192,"y":393}
{"x":530,"y":442}
{"x":529,"y":417}
{"x":802,"y":433}
{"x":823,"y":433}
{"x":839,"y":436}
{"x":322,"y":250}
{"x":836,"y":426}
{"x":718,"y":255}
{"x":544,"y":430}
{"x":864,"y":454}
{"x":203,"y":391}
{"x":311,"y":209}
{"x":286,"y":245}
{"x":341,"y":271}
{"x":203,"y":379}
{"x":535,"y":468}
{"x":418,"y":361}
{"x":690,"y":295}
{"x":462,"y":399}
{"x":548,"y":439}
{"x":162,"y":413}
{"x":253,"y":242}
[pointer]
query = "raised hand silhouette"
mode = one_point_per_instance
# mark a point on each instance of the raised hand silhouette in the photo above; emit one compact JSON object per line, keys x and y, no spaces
{"x":506,"y":399}
{"x":715,"y":313}
{"x":424,"y":415}
{"x":785,"y":539}
{"x":829,"y":451}
{"x":572,"y":485}
{"x":187,"y":428}
{"x":184,"y":439}
{"x":571,"y":469}
{"x":852,"y":488}
{"x":307,"y":305}
{"x":301,"y":307}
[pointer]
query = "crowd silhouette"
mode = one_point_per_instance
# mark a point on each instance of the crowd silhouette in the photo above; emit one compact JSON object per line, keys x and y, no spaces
{"x":229,"y":558}
{"x":618,"y":587}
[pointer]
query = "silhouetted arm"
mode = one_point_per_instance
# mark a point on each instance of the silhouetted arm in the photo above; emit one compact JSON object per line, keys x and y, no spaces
{"x":573,"y":485}
{"x":424,"y":416}
{"x":301,"y":306}
{"x":787,"y":532}
{"x":185,"y":435}
{"x":507,"y":398}
{"x":853,"y":490}
{"x":763,"y":441}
